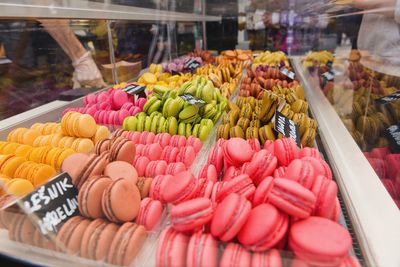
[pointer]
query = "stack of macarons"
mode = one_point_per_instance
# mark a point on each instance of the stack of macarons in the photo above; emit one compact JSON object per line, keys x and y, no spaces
{"x":386,"y":166}
{"x":251,"y":118}
{"x":157,"y":123}
{"x":98,"y":239}
{"x":20,"y":176}
{"x":247,"y":196}
{"x":110,"y":107}
{"x":52,"y":156}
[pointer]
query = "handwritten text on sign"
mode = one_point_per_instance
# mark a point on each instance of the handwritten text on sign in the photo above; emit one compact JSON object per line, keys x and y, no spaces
{"x":287,"y":127}
{"x":53,"y":203}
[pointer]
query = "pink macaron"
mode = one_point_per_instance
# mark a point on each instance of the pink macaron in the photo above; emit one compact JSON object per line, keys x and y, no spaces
{"x":231,"y":172}
{"x":177,"y":141}
{"x":271,"y":258}
{"x":319,"y":241}
{"x":152,"y":151}
{"x":141,"y":164}
{"x":186,"y":155}
{"x":163,"y":139}
{"x":325,"y":191}
{"x":292,"y":198}
{"x":202,"y":251}
{"x":261,"y":194}
{"x":280,"y":172}
{"x":265,"y":227}
{"x":171,"y":248}
{"x":309,"y":152}
{"x":237,"y":151}
{"x":241,"y":185}
{"x":204,"y":187}
{"x":285,"y":150}
{"x":230,"y":216}
{"x":149,"y":213}
{"x":209,"y":172}
{"x":262,"y":164}
{"x":235,"y":255}
{"x":169,"y":153}
{"x":216,"y":157}
{"x":175,"y":168}
{"x":192,"y":214}
{"x":155,"y":168}
{"x":180,"y":187}
{"x":320,"y":167}
{"x":194,"y":142}
{"x":254,"y":144}
{"x":157,"y":187}
{"x":301,"y":172}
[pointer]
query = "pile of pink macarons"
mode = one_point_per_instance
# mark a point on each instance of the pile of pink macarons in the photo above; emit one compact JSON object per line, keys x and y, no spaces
{"x":248,"y":201}
{"x":178,"y":64}
{"x":159,"y":154}
{"x":110,"y":107}
{"x":387,"y":167}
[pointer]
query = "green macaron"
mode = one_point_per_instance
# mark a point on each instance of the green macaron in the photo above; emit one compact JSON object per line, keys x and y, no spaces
{"x":161,"y":122}
{"x":147,"y":124}
{"x":189,"y":114}
{"x":188,"y":130}
{"x":182,"y":128}
{"x":130,"y":123}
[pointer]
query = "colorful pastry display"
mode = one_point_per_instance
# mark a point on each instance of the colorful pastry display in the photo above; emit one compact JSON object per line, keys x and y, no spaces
{"x":158,"y":188}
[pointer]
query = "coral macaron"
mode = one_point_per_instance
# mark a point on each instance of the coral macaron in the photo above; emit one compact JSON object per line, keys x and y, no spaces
{"x":192,"y":214}
{"x":202,"y":251}
{"x":121,"y":169}
{"x":90,"y":195}
{"x":150,"y":213}
{"x":292,"y":198}
{"x":229,"y":217}
{"x":235,"y":255}
{"x":237,"y":151}
{"x":265,"y":227}
{"x":319,"y":241}
{"x":180,"y":187}
{"x":241,"y":185}
{"x":172,"y":248}
{"x":285,"y":150}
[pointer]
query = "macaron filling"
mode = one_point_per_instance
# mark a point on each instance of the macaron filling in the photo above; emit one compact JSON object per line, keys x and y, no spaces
{"x":297,"y":201}
{"x":188,"y":218}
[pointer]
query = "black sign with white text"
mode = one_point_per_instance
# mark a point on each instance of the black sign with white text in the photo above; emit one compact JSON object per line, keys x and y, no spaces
{"x":287,"y":72}
{"x":192,"y":64}
{"x":393,"y":135}
{"x":134,"y":89}
{"x":193,"y":100}
{"x":389,"y":98}
{"x":53,"y":203}
{"x":287,"y":127}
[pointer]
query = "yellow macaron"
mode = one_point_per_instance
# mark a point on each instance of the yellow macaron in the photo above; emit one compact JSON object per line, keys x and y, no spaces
{"x":19,"y":187}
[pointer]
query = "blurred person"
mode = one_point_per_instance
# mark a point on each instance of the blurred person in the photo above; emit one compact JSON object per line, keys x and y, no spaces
{"x":379,"y":35}
{"x":86,"y":72}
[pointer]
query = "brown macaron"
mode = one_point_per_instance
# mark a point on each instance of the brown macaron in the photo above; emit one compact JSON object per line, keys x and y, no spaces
{"x":126,"y":244}
{"x":122,"y":149}
{"x":90,"y":195}
{"x":144,"y":184}
{"x":121,"y":201}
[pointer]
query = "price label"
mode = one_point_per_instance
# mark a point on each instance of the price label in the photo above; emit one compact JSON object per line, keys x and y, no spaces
{"x":134,"y":89}
{"x":176,"y":73}
{"x":193,"y":100}
{"x":288,"y":73}
{"x":393,"y":135}
{"x":389,"y":98}
{"x":328,"y":76}
{"x":287,"y":127}
{"x":192,"y":64}
{"x":52,"y":204}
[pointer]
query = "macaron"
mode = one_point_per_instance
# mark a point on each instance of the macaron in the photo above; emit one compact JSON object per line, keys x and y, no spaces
{"x":141,"y":164}
{"x":66,"y":230}
{"x":209,"y":172}
{"x":204,"y":188}
{"x":155,"y":168}
{"x":121,"y":169}
{"x":175,"y":168}
{"x":144,"y":184}
{"x":90,"y":195}
{"x":319,"y":241}
{"x":272,"y":257}
{"x":292,"y":198}
{"x":241,"y":185}
{"x":202,"y":251}
{"x":149,"y":213}
{"x":325,"y":191}
{"x":122,"y":149}
{"x":237,"y":151}
{"x":285,"y":150}
{"x":301,"y":172}
{"x":235,"y":255}
{"x":126,"y":244}
{"x":186,"y":155}
{"x":19,"y":187}
{"x":271,"y":225}
{"x":152,"y":151}
{"x":192,"y":214}
{"x":157,"y":187}
{"x":115,"y":199}
{"x":73,"y":236}
{"x":229,"y":217}
{"x":194,"y":142}
{"x":171,"y":248}
{"x":261,"y":194}
{"x":262,"y":164}
{"x":99,"y":239}
{"x":179,"y":188}
{"x":74,"y":165}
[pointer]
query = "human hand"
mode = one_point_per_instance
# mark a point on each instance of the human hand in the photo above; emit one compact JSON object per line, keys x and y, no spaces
{"x":86,"y":73}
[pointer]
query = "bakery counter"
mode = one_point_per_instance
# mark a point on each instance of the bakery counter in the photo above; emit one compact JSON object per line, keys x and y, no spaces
{"x":371,"y":209}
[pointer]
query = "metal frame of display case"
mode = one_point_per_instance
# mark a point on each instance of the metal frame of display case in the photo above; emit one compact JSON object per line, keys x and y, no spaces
{"x":374,"y":215}
{"x":91,"y":10}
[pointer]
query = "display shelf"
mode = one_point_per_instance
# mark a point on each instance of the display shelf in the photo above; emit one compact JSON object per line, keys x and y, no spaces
{"x":372,"y":211}
{"x":91,"y":10}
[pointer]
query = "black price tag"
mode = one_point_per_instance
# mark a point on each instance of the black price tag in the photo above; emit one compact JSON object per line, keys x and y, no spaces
{"x":287,"y":127}
{"x":192,"y":64}
{"x":329,"y":64}
{"x":393,"y":135}
{"x":389,"y":98}
{"x":134,"y":89}
{"x":176,"y":73}
{"x":288,"y":73}
{"x":53,"y":203}
{"x":193,"y":100}
{"x":328,"y":76}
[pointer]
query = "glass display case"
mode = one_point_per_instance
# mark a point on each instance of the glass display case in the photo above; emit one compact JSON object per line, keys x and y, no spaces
{"x":299,"y":100}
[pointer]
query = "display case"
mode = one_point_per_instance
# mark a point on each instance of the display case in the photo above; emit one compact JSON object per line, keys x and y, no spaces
{"x":204,"y":133}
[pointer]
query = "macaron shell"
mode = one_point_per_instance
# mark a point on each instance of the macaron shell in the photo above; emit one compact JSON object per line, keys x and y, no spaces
{"x":150,"y":213}
{"x":121,"y":169}
{"x":74,"y":165}
{"x":235,"y":255}
{"x":171,"y":248}
{"x":89,"y":197}
{"x":104,"y":241}
{"x":202,"y":251}
{"x":114,"y":200}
